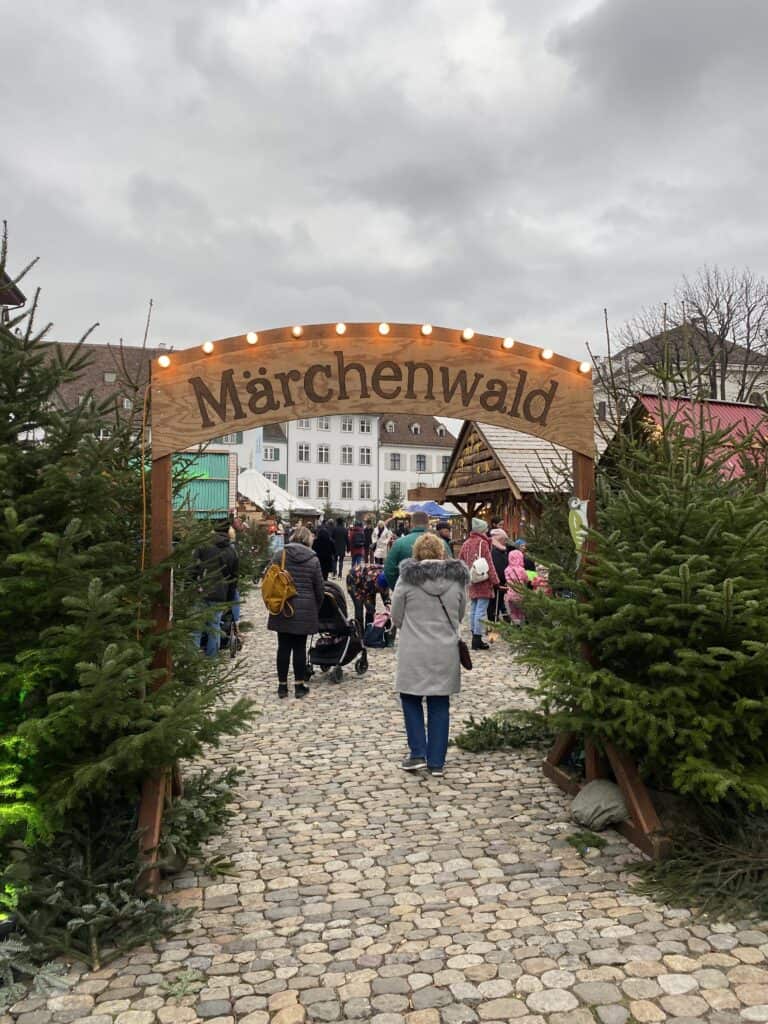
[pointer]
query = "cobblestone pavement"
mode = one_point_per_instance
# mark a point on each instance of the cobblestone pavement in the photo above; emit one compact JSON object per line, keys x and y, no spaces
{"x":364,"y":893}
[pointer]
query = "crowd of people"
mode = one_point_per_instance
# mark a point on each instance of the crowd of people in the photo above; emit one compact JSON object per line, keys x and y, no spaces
{"x":425,"y":588}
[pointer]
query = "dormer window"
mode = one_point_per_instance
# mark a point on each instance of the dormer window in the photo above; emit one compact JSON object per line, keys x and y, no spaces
{"x":389,"y":426}
{"x":440,"y":431}
{"x":415,"y":428}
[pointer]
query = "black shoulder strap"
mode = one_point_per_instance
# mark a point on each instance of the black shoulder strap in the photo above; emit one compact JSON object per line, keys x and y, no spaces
{"x":445,"y":611}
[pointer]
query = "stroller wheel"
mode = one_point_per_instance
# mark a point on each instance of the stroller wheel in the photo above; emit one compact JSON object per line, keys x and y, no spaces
{"x":361,"y":665}
{"x":336,"y":674}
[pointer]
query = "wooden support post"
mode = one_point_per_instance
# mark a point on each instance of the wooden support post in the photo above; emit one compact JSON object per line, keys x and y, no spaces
{"x":153,"y":792}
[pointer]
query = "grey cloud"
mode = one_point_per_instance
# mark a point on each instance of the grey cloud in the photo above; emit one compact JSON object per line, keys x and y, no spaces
{"x":252,"y":164}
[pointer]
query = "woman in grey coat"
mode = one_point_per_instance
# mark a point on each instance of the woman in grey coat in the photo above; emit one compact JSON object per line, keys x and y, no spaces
{"x":428,"y":604}
{"x":301,"y":620}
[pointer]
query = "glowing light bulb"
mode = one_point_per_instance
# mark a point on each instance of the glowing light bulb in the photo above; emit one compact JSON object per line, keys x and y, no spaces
{"x":547,"y":353}
{"x":251,"y":337}
{"x":297,"y":331}
{"x":585,"y":367}
{"x":164,"y":361}
{"x":467,"y":334}
{"x":341,"y":328}
{"x":208,"y":347}
{"x":426,"y":330}
{"x":508,"y":343}
{"x":383,"y":328}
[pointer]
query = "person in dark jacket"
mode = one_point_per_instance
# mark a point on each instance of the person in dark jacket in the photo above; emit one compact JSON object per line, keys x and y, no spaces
{"x":341,"y":542}
{"x":325,"y":550}
{"x":368,"y":531}
{"x":215,"y":572}
{"x":357,"y":543}
{"x":499,"y":553}
{"x":299,"y":619}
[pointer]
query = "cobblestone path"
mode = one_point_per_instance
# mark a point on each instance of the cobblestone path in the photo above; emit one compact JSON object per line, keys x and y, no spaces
{"x":364,"y":893}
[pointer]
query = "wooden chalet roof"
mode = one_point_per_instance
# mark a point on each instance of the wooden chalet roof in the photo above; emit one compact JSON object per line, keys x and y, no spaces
{"x":488,"y":458}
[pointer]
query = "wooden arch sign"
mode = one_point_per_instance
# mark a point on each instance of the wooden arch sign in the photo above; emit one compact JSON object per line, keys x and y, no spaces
{"x":290,"y":372}
{"x":252,"y":380}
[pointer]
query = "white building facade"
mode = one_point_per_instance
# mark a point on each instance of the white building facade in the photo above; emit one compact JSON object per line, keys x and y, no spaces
{"x":349,"y":462}
{"x":333,"y":461}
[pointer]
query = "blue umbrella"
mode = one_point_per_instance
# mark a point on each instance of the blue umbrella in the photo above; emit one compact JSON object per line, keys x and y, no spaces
{"x":431,"y":508}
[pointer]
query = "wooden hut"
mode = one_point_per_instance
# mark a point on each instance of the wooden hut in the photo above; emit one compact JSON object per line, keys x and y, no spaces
{"x":496,"y":472}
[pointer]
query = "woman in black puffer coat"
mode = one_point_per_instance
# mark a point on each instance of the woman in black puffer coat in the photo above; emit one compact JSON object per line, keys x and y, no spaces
{"x":300,"y":617}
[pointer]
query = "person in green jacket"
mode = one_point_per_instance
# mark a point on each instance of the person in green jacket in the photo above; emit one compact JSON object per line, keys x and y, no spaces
{"x":403,"y":547}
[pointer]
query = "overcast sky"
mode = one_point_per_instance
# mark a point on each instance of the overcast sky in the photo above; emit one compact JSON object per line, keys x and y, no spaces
{"x":502,"y":164}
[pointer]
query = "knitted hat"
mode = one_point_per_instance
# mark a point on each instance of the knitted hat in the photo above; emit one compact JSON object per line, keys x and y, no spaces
{"x":479,"y":526}
{"x":443,"y":524}
{"x":499,"y":534}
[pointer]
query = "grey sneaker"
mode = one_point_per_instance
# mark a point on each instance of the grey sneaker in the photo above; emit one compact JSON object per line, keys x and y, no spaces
{"x":437,"y":772}
{"x":413,"y":764}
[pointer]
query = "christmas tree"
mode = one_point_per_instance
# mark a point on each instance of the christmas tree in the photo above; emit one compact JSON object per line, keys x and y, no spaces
{"x":392,"y":501}
{"x":665,"y":651}
{"x":82,"y":723}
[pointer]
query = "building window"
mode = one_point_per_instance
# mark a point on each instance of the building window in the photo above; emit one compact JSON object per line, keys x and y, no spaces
{"x":347,"y":424}
{"x":415,"y":428}
{"x":421,"y":463}
{"x":305,"y":424}
{"x":365,"y":490}
{"x":365,"y":456}
{"x":127,"y":403}
{"x":602,"y":410}
{"x":394,"y":488}
{"x":271,"y":454}
{"x":232,"y":438}
{"x":302,"y":488}
{"x":274,"y":478}
{"x":104,"y":433}
{"x":302,"y":453}
{"x":389,"y":426}
{"x":323,"y":489}
{"x":440,"y":430}
{"x":323,"y":422}
{"x":110,"y":377}
{"x":365,"y":425}
{"x":394,"y":460}
{"x":346,"y":489}
{"x":346,"y":455}
{"x":323,"y":454}
{"x":446,"y":463}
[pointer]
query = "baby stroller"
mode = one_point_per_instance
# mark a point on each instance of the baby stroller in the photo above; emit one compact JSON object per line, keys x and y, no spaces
{"x":339,"y":640}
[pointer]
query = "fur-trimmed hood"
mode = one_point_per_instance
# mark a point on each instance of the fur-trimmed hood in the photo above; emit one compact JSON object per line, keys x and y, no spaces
{"x":434,"y":575}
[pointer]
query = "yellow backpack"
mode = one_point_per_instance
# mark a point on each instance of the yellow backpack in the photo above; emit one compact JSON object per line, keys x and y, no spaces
{"x":277,"y":588}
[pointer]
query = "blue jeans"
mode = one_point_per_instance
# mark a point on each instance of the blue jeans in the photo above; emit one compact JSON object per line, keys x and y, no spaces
{"x":356,"y":560}
{"x":431,"y":744}
{"x":212,"y":634}
{"x":478,"y":609}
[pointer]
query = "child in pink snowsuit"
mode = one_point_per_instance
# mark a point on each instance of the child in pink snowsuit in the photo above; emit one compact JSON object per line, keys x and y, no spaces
{"x":517,"y":578}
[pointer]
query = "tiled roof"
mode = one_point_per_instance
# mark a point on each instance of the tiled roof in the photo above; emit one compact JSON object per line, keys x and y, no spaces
{"x":274,"y":434}
{"x":129,"y":363}
{"x":738,"y":418}
{"x":427,"y":438}
{"x":10,"y":293}
{"x":684,"y":342}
